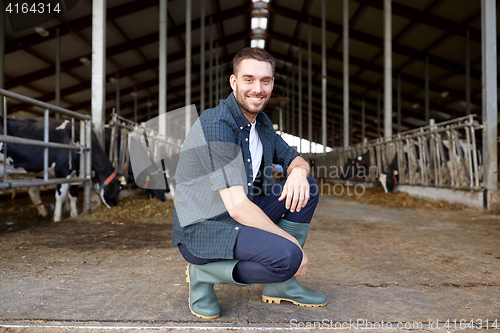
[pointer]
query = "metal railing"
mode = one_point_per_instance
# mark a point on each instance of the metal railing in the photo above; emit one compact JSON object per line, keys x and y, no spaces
{"x":84,"y":147}
{"x":159,"y":146}
{"x":439,"y":155}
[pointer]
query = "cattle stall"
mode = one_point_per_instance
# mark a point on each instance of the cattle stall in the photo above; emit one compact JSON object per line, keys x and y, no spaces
{"x":445,"y":155}
{"x":81,"y":145}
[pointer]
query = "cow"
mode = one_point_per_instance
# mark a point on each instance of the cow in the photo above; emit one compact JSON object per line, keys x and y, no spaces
{"x":390,"y":177}
{"x":359,"y":166}
{"x":65,"y":163}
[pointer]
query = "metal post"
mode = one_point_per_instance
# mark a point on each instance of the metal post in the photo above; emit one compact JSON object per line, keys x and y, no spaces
{"x":280,"y":110}
{"x":467,"y":73}
{"x":333,"y":131}
{"x":489,"y":84}
{"x":378,"y":112}
{"x":202,"y":60}
{"x":46,"y":149}
{"x":216,"y":83}
{"x":287,"y":106}
{"x":309,"y":83}
{"x":387,"y":69}
{"x":58,"y":70}
{"x":117,"y":94}
{"x":99,"y":67}
{"x":188,"y":66}
{"x":4,"y":116}
{"x":300,"y":97}
{"x":162,"y":89}
{"x":363,"y":120}
{"x":292,"y":114}
{"x":149,"y":107}
{"x":134,"y":94}
{"x":2,"y":54}
{"x":399,"y":103}
{"x":211,"y":70}
{"x":427,"y":109}
{"x":346,"y":70}
{"x":323,"y":75}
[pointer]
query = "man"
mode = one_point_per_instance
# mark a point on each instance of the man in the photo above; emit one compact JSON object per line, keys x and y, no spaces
{"x":260,"y":236}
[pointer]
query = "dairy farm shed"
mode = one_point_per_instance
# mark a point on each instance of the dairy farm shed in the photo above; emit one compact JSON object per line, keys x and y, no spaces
{"x":393,"y":104}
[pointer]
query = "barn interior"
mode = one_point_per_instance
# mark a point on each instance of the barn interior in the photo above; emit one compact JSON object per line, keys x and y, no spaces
{"x":352,"y":77}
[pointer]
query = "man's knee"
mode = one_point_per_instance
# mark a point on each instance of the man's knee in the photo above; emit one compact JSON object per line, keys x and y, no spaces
{"x":291,"y":260}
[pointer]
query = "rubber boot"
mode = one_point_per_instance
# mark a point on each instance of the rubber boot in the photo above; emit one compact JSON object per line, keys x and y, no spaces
{"x":291,"y":290}
{"x":201,"y":278}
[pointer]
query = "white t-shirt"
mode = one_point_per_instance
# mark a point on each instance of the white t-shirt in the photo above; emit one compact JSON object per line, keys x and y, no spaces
{"x":255,"y":150}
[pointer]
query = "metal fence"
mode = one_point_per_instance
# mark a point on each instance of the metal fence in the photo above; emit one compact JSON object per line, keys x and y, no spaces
{"x":158,"y":146}
{"x":439,"y":155}
{"x":84,"y":147}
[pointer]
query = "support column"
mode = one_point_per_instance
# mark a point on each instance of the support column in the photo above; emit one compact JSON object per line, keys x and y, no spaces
{"x":300,"y":97}
{"x":323,"y":75}
{"x":118,"y":94}
{"x":467,"y":73}
{"x":162,"y":89}
{"x":216,"y":74}
{"x":134,"y":95}
{"x":188,"y":66}
{"x":387,"y":69}
{"x":211,"y":67}
{"x":399,"y":103}
{"x":427,"y":107}
{"x":363,"y":120}
{"x":99,"y":68}
{"x":489,"y":84}
{"x":2,"y":52}
{"x":378,"y":112}
{"x":346,"y":71}
{"x":309,"y":83}
{"x":58,"y":70}
{"x":202,"y":59}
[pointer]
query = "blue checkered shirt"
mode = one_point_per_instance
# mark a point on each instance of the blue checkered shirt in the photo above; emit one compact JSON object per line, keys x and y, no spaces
{"x":215,"y":237}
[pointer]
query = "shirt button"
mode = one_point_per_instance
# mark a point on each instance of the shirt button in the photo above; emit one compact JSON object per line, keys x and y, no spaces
{"x":241,"y":127}
{"x":246,"y":139}
{"x":248,"y":160}
{"x":249,"y":184}
{"x":248,"y":125}
{"x":237,"y":228}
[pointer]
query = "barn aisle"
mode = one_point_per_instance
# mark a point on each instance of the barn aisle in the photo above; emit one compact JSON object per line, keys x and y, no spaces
{"x":376,"y":265}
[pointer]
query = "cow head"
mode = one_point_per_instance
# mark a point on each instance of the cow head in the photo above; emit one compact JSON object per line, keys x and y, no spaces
{"x":357,"y":166}
{"x":109,"y":190}
{"x":389,"y":180}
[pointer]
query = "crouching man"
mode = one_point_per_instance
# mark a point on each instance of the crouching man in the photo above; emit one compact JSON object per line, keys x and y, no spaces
{"x":259,"y":238}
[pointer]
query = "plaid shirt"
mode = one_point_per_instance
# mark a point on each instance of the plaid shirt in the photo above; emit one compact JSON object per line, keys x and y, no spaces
{"x":215,"y":237}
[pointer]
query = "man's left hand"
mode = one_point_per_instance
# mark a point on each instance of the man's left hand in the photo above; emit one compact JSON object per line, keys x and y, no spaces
{"x":296,"y":190}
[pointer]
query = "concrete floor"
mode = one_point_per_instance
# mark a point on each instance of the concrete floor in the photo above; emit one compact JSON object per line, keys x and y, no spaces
{"x":416,"y":269}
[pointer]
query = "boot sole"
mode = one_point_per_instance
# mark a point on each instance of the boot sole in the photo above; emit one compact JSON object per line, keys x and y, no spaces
{"x":189,"y":299}
{"x":277,"y":300}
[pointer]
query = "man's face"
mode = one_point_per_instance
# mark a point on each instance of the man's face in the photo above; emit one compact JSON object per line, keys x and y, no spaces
{"x":252,"y":85}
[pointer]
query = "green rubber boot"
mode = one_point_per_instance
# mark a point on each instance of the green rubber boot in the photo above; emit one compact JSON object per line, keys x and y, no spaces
{"x":291,"y":290}
{"x":201,"y":278}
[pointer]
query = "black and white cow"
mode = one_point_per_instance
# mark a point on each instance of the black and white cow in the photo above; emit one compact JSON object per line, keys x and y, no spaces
{"x":65,"y":163}
{"x":359,"y":166}
{"x":390,"y":177}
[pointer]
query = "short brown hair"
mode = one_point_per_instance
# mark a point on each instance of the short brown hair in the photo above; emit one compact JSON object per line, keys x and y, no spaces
{"x":252,"y":53}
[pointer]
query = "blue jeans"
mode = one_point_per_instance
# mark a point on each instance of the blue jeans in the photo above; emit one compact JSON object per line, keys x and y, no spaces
{"x":265,"y":257}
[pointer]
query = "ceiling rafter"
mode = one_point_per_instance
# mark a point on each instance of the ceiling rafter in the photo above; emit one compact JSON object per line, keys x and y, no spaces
{"x":375,"y":41}
{"x":117,"y":49}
